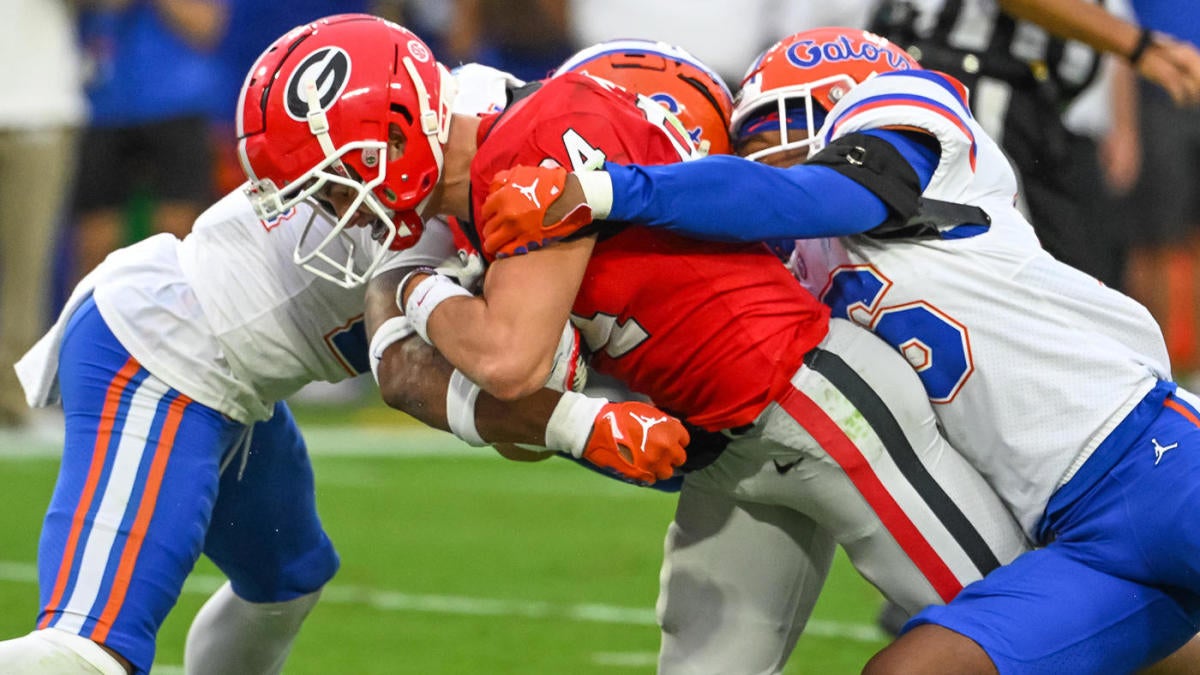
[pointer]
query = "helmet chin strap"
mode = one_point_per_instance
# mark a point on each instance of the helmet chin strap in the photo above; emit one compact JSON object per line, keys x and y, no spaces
{"x":435,"y":124}
{"x":435,"y":127}
{"x":318,"y":123}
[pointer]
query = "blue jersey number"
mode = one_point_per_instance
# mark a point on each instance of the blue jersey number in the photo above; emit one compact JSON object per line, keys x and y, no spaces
{"x":349,"y":346}
{"x":937,"y":346}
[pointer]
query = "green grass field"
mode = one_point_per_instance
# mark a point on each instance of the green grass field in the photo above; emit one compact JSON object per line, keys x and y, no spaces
{"x":454,"y":561}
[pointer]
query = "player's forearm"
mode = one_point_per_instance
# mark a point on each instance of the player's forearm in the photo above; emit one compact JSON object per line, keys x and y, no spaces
{"x":414,"y":378}
{"x":730,"y":199}
{"x":520,"y":421}
{"x":504,"y":341}
{"x":490,"y":348}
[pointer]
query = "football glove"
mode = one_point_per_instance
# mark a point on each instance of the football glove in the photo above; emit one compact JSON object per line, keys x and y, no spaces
{"x":518,"y":215}
{"x":633,"y":439}
{"x":638,"y":441}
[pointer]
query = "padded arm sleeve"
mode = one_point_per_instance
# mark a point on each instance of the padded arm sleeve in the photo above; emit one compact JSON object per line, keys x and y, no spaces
{"x":731,"y":199}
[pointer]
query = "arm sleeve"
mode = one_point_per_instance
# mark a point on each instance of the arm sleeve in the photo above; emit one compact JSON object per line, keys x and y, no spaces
{"x":732,"y":199}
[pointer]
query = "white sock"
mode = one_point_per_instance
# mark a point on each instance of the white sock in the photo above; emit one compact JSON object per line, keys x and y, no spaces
{"x":231,"y":635}
{"x":56,"y":651}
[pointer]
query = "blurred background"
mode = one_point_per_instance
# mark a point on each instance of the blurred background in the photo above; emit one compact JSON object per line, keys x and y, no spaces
{"x":117,"y":122}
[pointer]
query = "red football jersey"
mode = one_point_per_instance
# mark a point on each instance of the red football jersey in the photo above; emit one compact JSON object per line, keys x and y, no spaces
{"x":710,"y":331}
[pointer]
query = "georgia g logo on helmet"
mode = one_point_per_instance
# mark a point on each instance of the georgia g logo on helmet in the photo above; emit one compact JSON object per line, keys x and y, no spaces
{"x":328,"y":69}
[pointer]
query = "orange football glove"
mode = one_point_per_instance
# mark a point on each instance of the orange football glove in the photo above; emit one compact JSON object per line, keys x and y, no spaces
{"x":514,"y":215}
{"x":637,"y":441}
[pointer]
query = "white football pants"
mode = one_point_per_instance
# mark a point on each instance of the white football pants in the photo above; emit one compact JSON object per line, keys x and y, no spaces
{"x":851,"y":455}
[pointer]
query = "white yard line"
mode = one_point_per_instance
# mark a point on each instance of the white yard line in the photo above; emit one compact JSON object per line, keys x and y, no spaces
{"x":410,"y":442}
{"x":625,"y":659}
{"x":396,"y":601}
{"x":323,"y":441}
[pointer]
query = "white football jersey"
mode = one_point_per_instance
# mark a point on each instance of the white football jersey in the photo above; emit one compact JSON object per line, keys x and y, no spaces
{"x":279,"y":326}
{"x":226,"y":316}
{"x":1029,"y":362}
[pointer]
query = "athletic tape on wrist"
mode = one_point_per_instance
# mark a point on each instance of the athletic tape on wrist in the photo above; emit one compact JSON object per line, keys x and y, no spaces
{"x":460,"y":409}
{"x":597,"y":192}
{"x":408,"y":277}
{"x":428,"y":294}
{"x":389,"y":333}
{"x":570,"y":424}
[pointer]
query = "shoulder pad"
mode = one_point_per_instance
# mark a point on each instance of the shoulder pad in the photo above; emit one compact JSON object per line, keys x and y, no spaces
{"x":878,"y":166}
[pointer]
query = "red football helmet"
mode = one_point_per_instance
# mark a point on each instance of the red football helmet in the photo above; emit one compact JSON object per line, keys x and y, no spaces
{"x":317,"y":109}
{"x":669,"y":75}
{"x":811,"y":67}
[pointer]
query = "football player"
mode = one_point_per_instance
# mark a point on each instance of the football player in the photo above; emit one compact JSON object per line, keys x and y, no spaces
{"x":1055,"y":387}
{"x":829,"y":438}
{"x":669,"y":76}
{"x":172,"y":361}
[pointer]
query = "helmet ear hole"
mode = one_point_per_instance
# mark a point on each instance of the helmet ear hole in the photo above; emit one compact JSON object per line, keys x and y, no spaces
{"x":402,"y":111}
{"x":397,"y":142}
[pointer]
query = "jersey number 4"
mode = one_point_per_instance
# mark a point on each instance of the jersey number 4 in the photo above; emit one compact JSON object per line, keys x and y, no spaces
{"x":937,"y":346}
{"x":585,"y":156}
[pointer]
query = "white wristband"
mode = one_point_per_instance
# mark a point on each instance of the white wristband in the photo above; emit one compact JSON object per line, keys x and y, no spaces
{"x":597,"y":192}
{"x":428,"y":294}
{"x":389,"y":333}
{"x":460,"y":409}
{"x":570,"y":424}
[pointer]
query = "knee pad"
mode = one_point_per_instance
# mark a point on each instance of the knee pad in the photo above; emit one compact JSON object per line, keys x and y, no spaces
{"x":301,"y":576}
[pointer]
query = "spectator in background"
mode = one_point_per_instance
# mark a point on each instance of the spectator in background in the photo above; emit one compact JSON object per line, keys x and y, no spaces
{"x":1099,"y":120}
{"x":1164,"y":254}
{"x":40,"y":113}
{"x":1021,"y":79}
{"x":528,"y":38}
{"x":725,"y":35}
{"x":153,"y":85}
{"x":431,"y":19}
